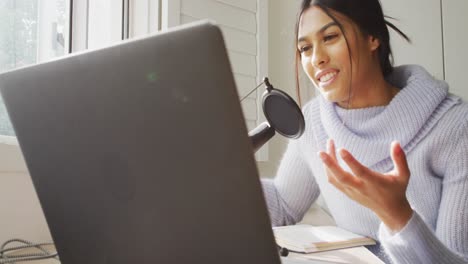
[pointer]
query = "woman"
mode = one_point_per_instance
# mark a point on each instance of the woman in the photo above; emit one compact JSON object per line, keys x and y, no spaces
{"x":386,"y":147}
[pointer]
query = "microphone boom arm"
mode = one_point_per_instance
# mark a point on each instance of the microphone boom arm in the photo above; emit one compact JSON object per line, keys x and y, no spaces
{"x":260,"y":135}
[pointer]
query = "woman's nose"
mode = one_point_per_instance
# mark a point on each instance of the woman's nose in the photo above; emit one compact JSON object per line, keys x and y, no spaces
{"x":319,"y":57}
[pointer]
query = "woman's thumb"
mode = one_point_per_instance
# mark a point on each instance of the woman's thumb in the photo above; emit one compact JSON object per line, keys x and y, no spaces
{"x":399,"y":160}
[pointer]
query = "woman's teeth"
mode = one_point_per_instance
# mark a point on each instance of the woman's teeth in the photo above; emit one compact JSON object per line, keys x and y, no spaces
{"x":327,"y":76}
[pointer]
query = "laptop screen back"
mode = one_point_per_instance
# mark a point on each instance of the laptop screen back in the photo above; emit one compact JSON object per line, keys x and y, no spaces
{"x":139,"y":153}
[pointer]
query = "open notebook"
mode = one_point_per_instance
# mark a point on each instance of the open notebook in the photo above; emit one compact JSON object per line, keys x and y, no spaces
{"x":308,"y":239}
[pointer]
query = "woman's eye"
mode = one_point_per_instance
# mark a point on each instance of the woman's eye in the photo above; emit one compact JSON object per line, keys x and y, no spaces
{"x":329,"y":37}
{"x":304,"y":49}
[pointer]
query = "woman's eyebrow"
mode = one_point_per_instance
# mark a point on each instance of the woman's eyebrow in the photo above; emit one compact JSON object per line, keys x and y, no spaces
{"x":333,"y":23}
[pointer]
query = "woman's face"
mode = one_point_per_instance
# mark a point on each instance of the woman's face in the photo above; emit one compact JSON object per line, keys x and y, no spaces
{"x":325,"y":56}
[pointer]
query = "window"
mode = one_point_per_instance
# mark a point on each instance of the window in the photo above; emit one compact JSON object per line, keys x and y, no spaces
{"x":31,"y":32}
{"x":39,"y":30}
{"x":104,"y":23}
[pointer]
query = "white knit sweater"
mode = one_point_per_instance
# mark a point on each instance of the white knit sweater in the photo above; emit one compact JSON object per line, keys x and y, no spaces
{"x":432,"y":127}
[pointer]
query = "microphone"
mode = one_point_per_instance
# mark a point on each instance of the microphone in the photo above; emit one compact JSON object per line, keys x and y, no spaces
{"x":282,"y":113}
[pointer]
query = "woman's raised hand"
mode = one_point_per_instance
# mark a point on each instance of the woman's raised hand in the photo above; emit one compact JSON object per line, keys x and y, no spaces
{"x":385,"y":194}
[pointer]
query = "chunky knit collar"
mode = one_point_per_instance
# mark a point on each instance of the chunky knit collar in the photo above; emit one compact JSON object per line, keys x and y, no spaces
{"x":368,"y":132}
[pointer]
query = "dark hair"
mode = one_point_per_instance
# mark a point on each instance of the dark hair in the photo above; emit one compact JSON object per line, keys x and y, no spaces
{"x":367,"y":15}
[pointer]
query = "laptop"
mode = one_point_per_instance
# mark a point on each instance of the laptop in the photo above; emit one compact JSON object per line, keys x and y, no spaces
{"x":139,"y":153}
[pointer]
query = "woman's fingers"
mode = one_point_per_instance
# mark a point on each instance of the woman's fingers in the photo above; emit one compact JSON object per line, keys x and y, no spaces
{"x":356,"y":167}
{"x":341,"y":175}
{"x":332,"y":179}
{"x":331,"y":148}
{"x":399,"y":161}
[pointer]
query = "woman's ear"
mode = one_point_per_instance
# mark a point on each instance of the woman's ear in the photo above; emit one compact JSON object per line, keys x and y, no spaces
{"x":373,"y":42}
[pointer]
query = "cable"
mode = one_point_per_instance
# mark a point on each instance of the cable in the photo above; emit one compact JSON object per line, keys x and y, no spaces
{"x":283,"y":252}
{"x":14,"y":258}
{"x":253,"y":90}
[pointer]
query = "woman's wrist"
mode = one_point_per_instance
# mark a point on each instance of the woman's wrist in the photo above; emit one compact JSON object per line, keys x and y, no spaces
{"x":398,"y":218}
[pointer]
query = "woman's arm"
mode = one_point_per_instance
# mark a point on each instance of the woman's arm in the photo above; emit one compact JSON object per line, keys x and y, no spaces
{"x":416,"y":242}
{"x":404,"y":235}
{"x":290,"y":194}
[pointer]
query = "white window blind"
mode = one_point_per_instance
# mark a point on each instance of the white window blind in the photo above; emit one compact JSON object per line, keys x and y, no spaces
{"x":244,"y":27}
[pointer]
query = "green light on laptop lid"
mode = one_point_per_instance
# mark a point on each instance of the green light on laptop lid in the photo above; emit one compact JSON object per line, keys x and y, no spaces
{"x":151,"y":77}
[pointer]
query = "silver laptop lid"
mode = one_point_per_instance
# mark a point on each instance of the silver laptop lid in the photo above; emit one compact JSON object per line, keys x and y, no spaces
{"x":139,"y":153}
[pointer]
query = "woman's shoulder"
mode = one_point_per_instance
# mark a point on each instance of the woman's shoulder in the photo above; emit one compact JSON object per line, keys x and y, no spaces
{"x":452,"y":128}
{"x":457,"y":116}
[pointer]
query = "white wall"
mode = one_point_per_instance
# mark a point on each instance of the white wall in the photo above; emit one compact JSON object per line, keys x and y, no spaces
{"x":426,"y":47}
{"x":455,"y":44}
{"x":439,"y":40}
{"x":21,"y":214}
